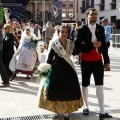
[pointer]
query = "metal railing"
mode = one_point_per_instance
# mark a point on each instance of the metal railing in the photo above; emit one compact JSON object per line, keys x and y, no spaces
{"x":115,"y":40}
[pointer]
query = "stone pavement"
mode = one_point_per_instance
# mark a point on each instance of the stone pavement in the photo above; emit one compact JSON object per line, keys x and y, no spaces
{"x":19,"y":101}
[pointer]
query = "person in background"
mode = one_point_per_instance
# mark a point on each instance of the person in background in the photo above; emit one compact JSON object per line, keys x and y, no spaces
{"x":40,"y":28}
{"x":9,"y":22}
{"x":23,"y":24}
{"x":90,"y":41}
{"x":8,"y":48}
{"x":78,"y":24}
{"x":34,"y":30}
{"x":72,"y":34}
{"x":107,"y":29}
{"x":3,"y":72}
{"x":49,"y":30}
{"x":17,"y":31}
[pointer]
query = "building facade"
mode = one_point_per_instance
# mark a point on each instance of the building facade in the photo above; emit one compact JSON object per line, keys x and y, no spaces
{"x":70,"y":11}
{"x":106,"y":8}
{"x":35,"y":10}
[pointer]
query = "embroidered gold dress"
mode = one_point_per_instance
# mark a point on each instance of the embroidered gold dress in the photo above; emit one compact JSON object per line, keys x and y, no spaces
{"x":63,"y":94}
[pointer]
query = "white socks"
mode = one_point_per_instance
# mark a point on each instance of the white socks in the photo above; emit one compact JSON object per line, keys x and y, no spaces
{"x":100,"y":96}
{"x":85,"y":96}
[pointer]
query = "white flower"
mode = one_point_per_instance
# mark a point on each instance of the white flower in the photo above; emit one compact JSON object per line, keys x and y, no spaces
{"x":43,"y":67}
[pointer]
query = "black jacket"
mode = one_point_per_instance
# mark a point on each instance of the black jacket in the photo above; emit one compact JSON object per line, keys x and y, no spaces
{"x":8,"y":45}
{"x":84,"y":34}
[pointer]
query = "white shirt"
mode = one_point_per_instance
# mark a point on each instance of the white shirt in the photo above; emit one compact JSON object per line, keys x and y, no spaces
{"x":92,"y":29}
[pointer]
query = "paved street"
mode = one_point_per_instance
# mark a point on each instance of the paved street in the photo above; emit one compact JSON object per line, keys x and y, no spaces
{"x":20,"y":99}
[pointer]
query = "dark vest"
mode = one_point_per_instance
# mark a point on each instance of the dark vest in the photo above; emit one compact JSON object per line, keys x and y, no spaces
{"x":36,"y":31}
{"x":1,"y":40}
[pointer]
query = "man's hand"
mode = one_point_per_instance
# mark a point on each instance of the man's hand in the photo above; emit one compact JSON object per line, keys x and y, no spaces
{"x":107,"y":66}
{"x":97,"y":44}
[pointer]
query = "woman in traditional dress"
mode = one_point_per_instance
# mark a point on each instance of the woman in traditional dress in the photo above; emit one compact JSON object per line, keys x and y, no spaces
{"x":63,"y":94}
{"x":27,"y":53}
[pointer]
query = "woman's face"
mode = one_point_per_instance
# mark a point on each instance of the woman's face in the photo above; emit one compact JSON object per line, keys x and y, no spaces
{"x":63,"y":33}
{"x":28,"y":32}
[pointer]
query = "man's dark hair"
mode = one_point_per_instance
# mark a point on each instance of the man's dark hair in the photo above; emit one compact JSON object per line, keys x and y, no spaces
{"x":23,"y":21}
{"x":79,"y":23}
{"x":90,"y":9}
{"x":32,"y":21}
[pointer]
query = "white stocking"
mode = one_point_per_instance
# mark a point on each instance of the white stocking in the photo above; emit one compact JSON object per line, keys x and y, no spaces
{"x":100,"y":96}
{"x":85,"y":96}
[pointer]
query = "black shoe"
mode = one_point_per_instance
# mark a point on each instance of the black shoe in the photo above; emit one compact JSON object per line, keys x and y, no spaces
{"x":28,"y":77}
{"x":55,"y":117}
{"x":5,"y":85}
{"x":86,"y":112}
{"x":66,"y":117}
{"x":106,"y":115}
{"x":12,"y":77}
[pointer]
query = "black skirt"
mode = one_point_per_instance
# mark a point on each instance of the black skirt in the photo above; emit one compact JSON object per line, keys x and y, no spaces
{"x":64,"y":85}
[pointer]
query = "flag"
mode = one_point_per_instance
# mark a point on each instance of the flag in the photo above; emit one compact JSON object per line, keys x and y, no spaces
{"x":57,"y":11}
{"x":1,"y":14}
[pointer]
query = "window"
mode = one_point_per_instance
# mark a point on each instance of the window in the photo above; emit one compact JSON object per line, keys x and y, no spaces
{"x":92,"y":3}
{"x":63,"y":5}
{"x":113,"y":4}
{"x":102,"y":5}
{"x":70,"y":5}
{"x":63,"y":15}
{"x":113,"y":18}
{"x":83,"y":7}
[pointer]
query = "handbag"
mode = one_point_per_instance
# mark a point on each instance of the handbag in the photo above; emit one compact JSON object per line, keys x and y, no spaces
{"x":12,"y":65}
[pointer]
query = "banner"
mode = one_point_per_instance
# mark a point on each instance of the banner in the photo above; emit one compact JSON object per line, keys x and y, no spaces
{"x":15,"y":12}
{"x":23,"y":2}
{"x":57,"y":11}
{"x":1,"y":14}
{"x":16,"y":8}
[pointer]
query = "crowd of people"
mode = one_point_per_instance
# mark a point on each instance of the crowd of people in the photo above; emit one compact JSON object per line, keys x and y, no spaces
{"x":90,"y":41}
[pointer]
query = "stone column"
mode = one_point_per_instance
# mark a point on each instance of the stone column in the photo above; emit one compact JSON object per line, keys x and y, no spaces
{"x":36,"y":2}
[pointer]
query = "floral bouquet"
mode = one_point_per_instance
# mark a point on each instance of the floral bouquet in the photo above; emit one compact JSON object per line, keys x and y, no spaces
{"x":34,"y":41}
{"x":44,"y":70}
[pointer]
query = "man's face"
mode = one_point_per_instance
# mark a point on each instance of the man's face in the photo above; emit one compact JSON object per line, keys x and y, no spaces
{"x":92,"y":16}
{"x":17,"y":24}
{"x":31,"y":24}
